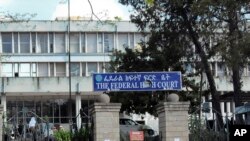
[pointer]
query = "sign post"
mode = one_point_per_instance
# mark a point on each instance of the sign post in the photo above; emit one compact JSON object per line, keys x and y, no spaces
{"x":137,"y":81}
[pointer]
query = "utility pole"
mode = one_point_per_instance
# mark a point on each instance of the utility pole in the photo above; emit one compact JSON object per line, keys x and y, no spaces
{"x":69,"y":63}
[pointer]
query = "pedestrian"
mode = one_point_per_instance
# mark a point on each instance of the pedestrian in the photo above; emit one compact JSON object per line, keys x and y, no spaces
{"x":32,"y":127}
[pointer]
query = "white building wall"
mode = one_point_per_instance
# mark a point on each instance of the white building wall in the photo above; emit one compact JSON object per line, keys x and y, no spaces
{"x":59,"y":85}
{"x":123,"y":33}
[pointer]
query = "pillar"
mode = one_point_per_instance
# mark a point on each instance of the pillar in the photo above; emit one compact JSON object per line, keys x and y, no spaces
{"x":1,"y":122}
{"x":173,"y":120}
{"x":4,"y":105}
{"x":105,"y":120}
{"x":228,"y":107}
{"x":222,"y":108}
{"x":78,"y":107}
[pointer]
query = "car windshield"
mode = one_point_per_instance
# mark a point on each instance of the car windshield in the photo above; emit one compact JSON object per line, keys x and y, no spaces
{"x":127,"y":122}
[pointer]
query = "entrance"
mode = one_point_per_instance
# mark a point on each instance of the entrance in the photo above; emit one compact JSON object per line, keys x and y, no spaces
{"x":48,"y":115}
{"x":53,"y":110}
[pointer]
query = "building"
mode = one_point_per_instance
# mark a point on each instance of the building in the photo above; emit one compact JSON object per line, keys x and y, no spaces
{"x":35,"y":63}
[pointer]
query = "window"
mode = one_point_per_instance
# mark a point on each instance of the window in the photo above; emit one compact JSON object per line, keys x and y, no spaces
{"x":82,"y":41}
{"x":75,"y":69}
{"x":51,"y":42}
{"x":221,"y":69}
{"x":43,"y":69}
{"x":212,"y":66}
{"x":24,"y":43}
{"x":91,"y":43}
{"x":33,"y":40}
{"x":42,"y":43}
{"x":59,"y":43}
{"x":24,"y":70}
{"x":60,"y":69}
{"x":16,"y":70}
{"x":108,"y":42}
{"x":83,"y":69}
{"x":131,"y":40}
{"x":92,"y":67}
{"x":33,"y":70}
{"x":138,"y":39}
{"x":7,"y":70}
{"x":101,"y":67}
{"x":122,"y":41}
{"x":74,"y":42}
{"x":107,"y":67}
{"x":16,"y":50}
{"x":52,"y":69}
{"x":99,"y":42}
{"x":7,"y":42}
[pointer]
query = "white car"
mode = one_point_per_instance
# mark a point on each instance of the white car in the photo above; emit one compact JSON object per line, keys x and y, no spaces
{"x":127,"y":125}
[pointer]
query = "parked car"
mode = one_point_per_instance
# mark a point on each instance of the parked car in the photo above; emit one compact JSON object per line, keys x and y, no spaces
{"x":127,"y":125}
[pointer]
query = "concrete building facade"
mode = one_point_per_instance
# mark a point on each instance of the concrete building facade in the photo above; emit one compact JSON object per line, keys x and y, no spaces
{"x":35,"y":64}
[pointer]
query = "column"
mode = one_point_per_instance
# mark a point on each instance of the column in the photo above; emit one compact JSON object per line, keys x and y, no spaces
{"x":222,"y":108}
{"x":173,"y":121}
{"x":78,"y":107}
{"x":105,"y":120}
{"x":4,"y":104}
{"x":228,"y":107}
{"x":1,"y":122}
{"x":233,"y":110}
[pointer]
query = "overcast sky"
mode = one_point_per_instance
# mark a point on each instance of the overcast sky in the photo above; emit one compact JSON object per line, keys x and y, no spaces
{"x":49,"y":9}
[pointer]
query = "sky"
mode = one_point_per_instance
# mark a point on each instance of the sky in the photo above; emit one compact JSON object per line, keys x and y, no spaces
{"x":50,"y":9}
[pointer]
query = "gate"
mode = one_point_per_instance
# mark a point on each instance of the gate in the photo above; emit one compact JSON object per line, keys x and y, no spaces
{"x":86,"y":130}
{"x":20,"y":129}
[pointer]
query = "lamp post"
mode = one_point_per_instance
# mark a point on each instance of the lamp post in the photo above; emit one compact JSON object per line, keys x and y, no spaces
{"x":69,"y":62}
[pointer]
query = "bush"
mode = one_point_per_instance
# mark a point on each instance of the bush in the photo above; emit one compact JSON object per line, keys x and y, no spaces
{"x":62,"y":135}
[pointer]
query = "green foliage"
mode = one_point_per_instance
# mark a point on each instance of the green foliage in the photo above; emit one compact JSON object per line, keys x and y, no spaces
{"x":62,"y":135}
{"x":149,"y":59}
{"x":138,"y":102}
{"x":198,"y":130}
{"x":176,"y":27}
{"x":82,"y":134}
{"x":150,"y":2}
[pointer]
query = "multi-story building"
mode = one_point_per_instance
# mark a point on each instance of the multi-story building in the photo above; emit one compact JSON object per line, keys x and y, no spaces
{"x":35,"y":62}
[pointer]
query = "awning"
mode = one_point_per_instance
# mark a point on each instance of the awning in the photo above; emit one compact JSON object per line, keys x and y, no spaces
{"x":242,"y":109}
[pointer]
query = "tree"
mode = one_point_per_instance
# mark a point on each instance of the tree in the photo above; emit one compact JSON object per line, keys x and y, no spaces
{"x":199,"y":22}
{"x":139,"y":60}
{"x":177,"y":27}
{"x":16,"y":17}
{"x":235,"y":48}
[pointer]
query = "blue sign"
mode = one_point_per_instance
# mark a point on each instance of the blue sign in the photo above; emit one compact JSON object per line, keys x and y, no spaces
{"x":137,"y":81}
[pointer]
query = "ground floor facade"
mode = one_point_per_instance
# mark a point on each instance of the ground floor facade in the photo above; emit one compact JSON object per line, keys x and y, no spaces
{"x":47,"y":99}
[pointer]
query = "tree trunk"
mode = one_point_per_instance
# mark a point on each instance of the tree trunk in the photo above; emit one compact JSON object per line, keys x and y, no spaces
{"x":234,"y":36}
{"x":237,"y":91}
{"x":210,"y":78}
